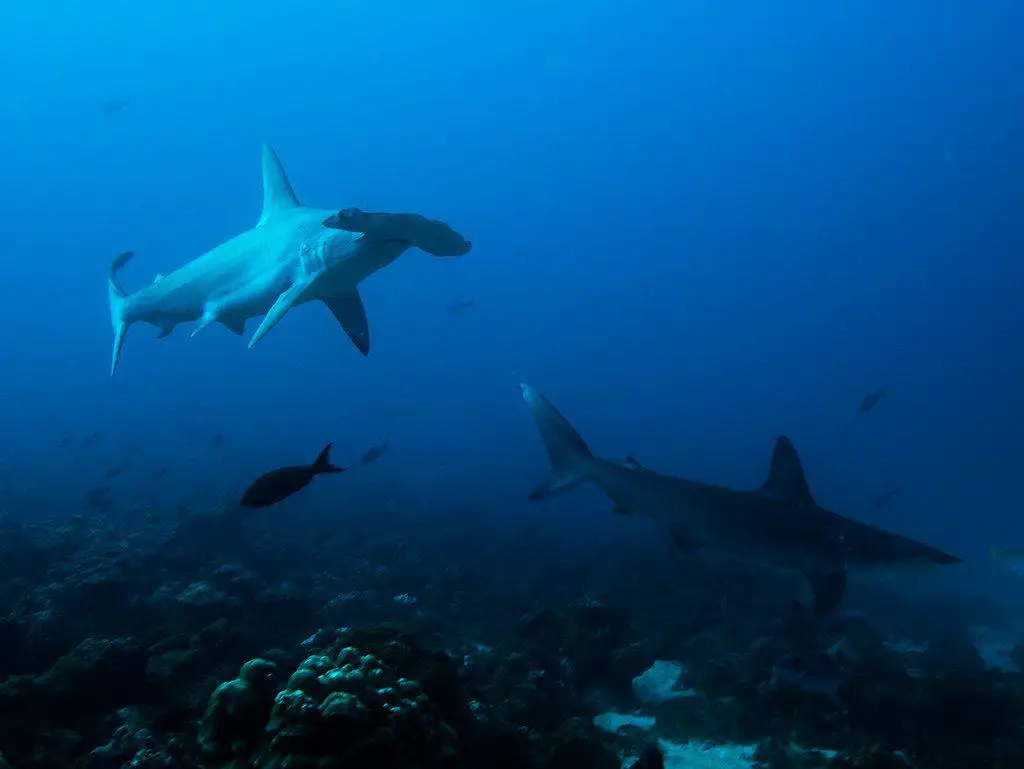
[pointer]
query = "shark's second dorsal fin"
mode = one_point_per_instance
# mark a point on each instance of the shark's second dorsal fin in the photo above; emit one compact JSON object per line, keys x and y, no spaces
{"x":786,"y":477}
{"x":277,"y":190}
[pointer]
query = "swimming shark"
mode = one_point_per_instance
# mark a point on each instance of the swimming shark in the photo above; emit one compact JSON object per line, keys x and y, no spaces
{"x":778,"y":525}
{"x":295,"y":254}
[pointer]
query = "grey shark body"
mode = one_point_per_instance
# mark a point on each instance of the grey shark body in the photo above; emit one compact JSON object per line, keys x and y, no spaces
{"x":778,"y":525}
{"x":295,"y":254}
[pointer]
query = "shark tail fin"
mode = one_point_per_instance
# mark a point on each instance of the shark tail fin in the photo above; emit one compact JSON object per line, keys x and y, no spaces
{"x":323,"y":462}
{"x":118,"y":298}
{"x":571,"y":459}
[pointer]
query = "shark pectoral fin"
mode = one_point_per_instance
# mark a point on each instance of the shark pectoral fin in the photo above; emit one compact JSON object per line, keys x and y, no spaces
{"x":348,"y":310}
{"x":235,"y":325}
{"x":827,"y":587}
{"x":284,"y":303}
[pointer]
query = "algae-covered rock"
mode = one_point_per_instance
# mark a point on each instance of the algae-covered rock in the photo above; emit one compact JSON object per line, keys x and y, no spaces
{"x":238,"y":711}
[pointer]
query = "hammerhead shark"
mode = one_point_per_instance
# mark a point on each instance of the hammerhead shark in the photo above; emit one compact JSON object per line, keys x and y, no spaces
{"x":294,"y":254}
{"x":778,"y":525}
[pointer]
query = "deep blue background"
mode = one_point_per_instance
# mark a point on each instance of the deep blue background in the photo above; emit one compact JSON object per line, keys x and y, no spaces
{"x":697,"y":225}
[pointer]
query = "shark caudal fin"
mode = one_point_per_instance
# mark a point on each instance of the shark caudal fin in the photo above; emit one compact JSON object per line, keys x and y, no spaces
{"x":118,"y":298}
{"x":570,"y":457}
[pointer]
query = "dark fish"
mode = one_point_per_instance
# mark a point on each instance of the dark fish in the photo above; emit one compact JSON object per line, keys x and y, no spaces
{"x":459,"y":307}
{"x":114,"y":106}
{"x":99,"y":499}
{"x":160,"y":472}
{"x":812,"y":673}
{"x":882,"y":500}
{"x":218,"y":441}
{"x":117,"y":469}
{"x":90,"y":440}
{"x":373,"y":453}
{"x":280,"y":484}
{"x":870,"y":401}
{"x":651,"y":757}
{"x":66,"y":441}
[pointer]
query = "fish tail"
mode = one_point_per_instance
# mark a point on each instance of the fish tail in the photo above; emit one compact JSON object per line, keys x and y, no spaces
{"x":323,"y":462}
{"x":571,"y":459}
{"x":118,"y":298}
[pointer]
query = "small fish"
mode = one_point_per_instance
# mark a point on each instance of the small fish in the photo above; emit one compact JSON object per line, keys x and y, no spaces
{"x":870,"y":401}
{"x":1012,"y":558}
{"x":218,"y":441}
{"x":99,"y":499}
{"x":113,"y":106}
{"x":812,"y":673}
{"x":882,"y":500}
{"x":117,"y":469}
{"x":271,"y":488}
{"x":373,"y":453}
{"x":651,"y":757}
{"x":66,"y":441}
{"x":459,"y":307}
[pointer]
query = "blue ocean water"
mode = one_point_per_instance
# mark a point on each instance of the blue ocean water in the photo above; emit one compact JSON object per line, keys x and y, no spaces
{"x":696,"y":226}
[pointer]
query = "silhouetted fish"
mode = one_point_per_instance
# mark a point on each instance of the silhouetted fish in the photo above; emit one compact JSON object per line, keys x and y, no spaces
{"x":870,"y":401}
{"x":113,"y":106}
{"x":117,"y":469}
{"x":66,"y":441}
{"x":882,"y":500}
{"x":99,"y":499}
{"x":651,"y":757}
{"x":813,"y":674}
{"x":1011,"y":558}
{"x":280,"y":484}
{"x":218,"y":441}
{"x":459,"y":307}
{"x":373,"y":453}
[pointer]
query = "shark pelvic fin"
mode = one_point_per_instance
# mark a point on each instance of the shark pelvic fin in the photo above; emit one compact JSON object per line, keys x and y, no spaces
{"x":284,"y":302}
{"x":208,"y":317}
{"x":277,"y":190}
{"x":786,"y":477}
{"x":118,"y":299}
{"x":234,"y":325}
{"x":827,"y":587}
{"x":165,"y":331}
{"x":348,"y":310}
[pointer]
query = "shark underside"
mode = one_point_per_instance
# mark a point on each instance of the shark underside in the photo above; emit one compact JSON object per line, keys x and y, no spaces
{"x":778,"y":525}
{"x":295,"y":254}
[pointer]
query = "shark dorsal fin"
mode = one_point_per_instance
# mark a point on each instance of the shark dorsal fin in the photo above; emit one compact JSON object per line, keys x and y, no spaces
{"x":277,"y":190}
{"x":786,"y":477}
